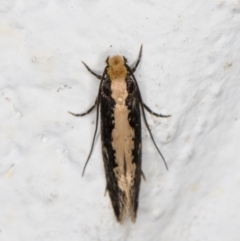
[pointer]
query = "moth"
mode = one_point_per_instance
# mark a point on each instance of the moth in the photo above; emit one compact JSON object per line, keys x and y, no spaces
{"x":120,"y":104}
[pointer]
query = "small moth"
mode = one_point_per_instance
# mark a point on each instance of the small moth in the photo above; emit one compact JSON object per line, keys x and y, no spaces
{"x":120,"y":103}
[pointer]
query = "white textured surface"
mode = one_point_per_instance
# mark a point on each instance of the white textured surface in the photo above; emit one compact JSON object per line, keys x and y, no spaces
{"x":190,"y":69}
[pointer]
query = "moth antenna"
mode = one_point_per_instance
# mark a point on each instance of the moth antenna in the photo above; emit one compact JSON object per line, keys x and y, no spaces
{"x":154,"y":113}
{"x":93,"y":73}
{"x":145,"y":121}
{"x":107,"y":60}
{"x":85,"y":113}
{"x":138,"y":60}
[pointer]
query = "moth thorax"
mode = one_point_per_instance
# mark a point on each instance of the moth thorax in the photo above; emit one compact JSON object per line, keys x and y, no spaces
{"x":116,"y":69}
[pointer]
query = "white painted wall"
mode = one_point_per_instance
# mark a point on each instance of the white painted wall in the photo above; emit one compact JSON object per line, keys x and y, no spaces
{"x":190,"y":69}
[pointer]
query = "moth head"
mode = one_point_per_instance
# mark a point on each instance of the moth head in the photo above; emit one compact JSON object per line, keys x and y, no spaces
{"x":116,"y":67}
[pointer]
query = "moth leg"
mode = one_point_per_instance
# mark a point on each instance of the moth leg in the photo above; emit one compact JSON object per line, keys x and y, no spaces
{"x":143,"y":176}
{"x":145,"y":119}
{"x":95,"y":132}
{"x":96,"y":75}
{"x":97,"y":102}
{"x":144,"y":116}
{"x":148,"y":128}
{"x":154,"y":113}
{"x":138,"y":60}
{"x":94,"y":136}
{"x":85,"y":113}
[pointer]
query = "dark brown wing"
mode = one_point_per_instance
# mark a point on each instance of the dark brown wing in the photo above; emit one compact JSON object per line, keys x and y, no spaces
{"x":134,"y":117}
{"x":118,"y":197}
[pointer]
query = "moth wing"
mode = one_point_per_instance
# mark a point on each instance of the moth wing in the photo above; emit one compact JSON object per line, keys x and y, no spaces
{"x":108,"y":153}
{"x":123,"y":194}
{"x":134,"y":117}
{"x":123,"y":202}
